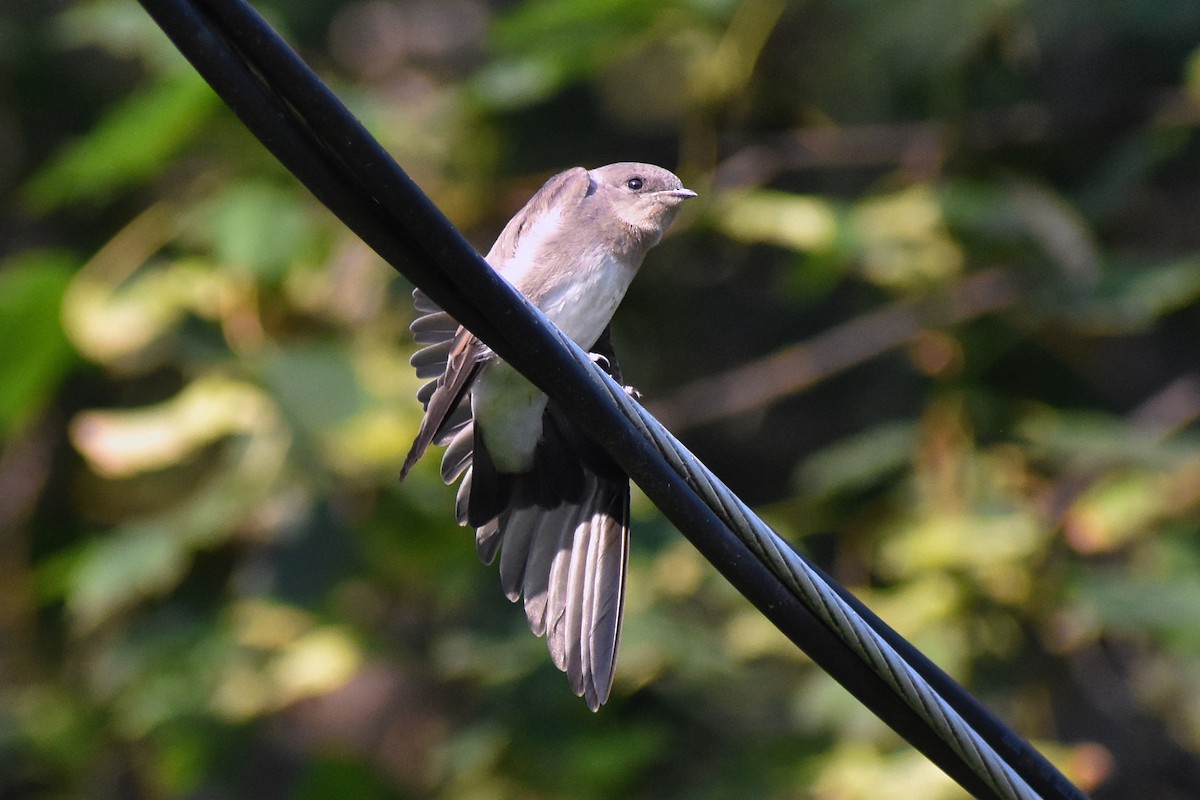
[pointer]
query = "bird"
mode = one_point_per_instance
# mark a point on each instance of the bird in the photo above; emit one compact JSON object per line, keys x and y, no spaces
{"x":536,"y":489}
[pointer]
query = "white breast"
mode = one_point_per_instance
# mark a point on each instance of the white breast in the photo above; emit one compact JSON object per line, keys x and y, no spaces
{"x":580,"y":301}
{"x":584,"y":304}
{"x":508,"y":414}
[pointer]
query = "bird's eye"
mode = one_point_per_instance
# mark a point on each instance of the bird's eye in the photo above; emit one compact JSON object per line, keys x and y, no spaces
{"x":634,"y":184}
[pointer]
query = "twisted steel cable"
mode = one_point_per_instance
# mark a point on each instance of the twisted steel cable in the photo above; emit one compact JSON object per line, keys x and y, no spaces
{"x":817,"y":594}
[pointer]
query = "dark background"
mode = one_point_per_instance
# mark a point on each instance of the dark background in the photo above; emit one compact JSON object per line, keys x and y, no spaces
{"x":934,"y":314}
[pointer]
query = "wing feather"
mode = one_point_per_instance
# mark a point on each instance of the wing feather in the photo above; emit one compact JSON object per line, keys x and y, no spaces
{"x":463,"y":364}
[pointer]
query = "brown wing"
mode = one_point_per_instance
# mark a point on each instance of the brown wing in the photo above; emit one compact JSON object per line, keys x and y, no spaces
{"x":455,"y":357}
{"x":452,"y":355}
{"x":574,"y":181}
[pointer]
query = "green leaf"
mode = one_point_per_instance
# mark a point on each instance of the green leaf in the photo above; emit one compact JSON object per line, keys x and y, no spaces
{"x":1089,"y":437}
{"x":1159,"y":605}
{"x":261,"y":228}
{"x":133,"y":142}
{"x":859,"y":461}
{"x":328,"y":778}
{"x":36,"y":355}
{"x":315,"y":385}
{"x":799,"y":222}
{"x":120,"y":28}
{"x":551,"y":43}
{"x":121,"y":568}
{"x":1138,"y":296}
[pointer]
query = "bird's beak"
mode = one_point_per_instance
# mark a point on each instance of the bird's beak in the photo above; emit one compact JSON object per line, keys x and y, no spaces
{"x":682,"y":194}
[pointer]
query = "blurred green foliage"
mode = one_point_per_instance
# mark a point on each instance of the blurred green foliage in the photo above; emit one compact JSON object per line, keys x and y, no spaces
{"x":952,"y":249}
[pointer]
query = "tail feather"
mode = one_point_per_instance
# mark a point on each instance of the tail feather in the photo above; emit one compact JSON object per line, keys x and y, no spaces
{"x":561,"y":530}
{"x":457,"y":458}
{"x":566,"y":555}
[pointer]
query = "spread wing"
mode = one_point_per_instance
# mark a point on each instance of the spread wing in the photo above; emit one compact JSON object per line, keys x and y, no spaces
{"x":451,"y":354}
{"x":453,"y":357}
{"x":561,"y":529}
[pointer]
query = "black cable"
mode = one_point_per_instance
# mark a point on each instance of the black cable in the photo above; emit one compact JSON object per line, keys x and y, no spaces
{"x":312,"y":134}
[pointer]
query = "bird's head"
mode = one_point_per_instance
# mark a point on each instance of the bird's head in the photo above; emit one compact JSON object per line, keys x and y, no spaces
{"x":643,"y":196}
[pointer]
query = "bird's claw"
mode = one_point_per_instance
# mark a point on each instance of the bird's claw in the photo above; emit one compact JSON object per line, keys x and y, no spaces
{"x":605,"y":364}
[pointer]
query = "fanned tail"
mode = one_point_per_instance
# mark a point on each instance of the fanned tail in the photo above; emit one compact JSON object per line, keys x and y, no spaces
{"x":561,"y":529}
{"x":563,"y":543}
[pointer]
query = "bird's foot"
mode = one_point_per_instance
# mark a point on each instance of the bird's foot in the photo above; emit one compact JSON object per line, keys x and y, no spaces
{"x":606,"y":365}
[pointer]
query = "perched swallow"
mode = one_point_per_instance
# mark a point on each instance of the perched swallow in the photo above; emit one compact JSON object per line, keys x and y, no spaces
{"x":535,"y":488}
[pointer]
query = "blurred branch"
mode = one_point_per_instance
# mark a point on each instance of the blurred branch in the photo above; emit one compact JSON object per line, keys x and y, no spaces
{"x":1167,"y":412}
{"x":758,"y":384}
{"x":1171,"y":409}
{"x":723,"y":75}
{"x":919,"y":146}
